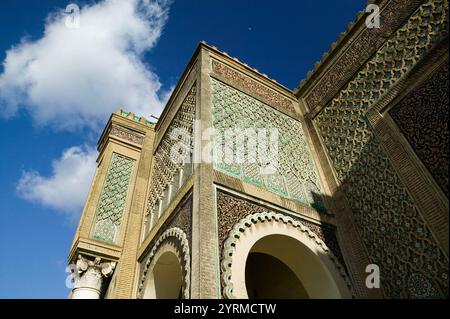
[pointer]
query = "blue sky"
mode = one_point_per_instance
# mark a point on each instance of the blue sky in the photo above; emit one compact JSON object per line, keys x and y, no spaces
{"x":55,"y":95}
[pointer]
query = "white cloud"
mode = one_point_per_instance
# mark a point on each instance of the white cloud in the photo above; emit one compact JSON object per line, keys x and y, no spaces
{"x":66,"y":189}
{"x":74,"y":77}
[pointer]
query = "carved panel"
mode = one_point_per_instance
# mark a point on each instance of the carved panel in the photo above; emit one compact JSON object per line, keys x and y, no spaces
{"x":182,"y":217}
{"x":422,"y":117}
{"x":127,"y":134}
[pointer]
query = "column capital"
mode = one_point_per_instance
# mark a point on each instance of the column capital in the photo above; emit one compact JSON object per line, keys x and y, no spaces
{"x":106,"y":268}
{"x":89,"y":277}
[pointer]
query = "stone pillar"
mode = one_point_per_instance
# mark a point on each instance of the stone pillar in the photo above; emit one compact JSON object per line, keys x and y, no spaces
{"x":88,"y":277}
{"x":205,"y":282}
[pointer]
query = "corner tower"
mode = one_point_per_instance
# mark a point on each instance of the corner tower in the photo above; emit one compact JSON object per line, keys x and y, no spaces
{"x":108,"y":231}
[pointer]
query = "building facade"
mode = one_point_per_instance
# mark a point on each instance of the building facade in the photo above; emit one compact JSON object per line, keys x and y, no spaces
{"x":359,"y":187}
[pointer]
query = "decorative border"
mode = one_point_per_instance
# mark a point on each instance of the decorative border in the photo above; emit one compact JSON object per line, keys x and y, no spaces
{"x":184,"y":254}
{"x":126,"y":134}
{"x":273,"y":98}
{"x":244,"y":224}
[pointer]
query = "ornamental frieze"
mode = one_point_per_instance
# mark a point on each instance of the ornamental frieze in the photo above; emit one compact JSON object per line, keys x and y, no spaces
{"x":127,"y":135}
{"x":284,"y":104}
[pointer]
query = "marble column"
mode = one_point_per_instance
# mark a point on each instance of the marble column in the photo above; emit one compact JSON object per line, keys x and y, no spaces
{"x":88,"y":277}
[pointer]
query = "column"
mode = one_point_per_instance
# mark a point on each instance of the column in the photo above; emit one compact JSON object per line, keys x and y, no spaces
{"x":88,"y":277}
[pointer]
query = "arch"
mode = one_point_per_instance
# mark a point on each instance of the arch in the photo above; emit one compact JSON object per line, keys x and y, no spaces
{"x":165,"y":280}
{"x":166,"y":270}
{"x":261,"y":284}
{"x":313,"y":263}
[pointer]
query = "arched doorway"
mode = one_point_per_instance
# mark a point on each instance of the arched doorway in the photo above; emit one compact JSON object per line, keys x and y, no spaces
{"x":273,"y":256}
{"x":261,"y":283}
{"x":165,"y":272}
{"x":165,"y":280}
{"x":280,"y":266}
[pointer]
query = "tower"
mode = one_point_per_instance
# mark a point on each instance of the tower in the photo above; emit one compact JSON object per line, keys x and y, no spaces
{"x":109,"y":228}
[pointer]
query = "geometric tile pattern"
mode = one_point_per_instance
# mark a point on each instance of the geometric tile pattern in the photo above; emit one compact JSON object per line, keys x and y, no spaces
{"x":394,"y":233}
{"x":109,"y":213}
{"x":295,"y":176}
